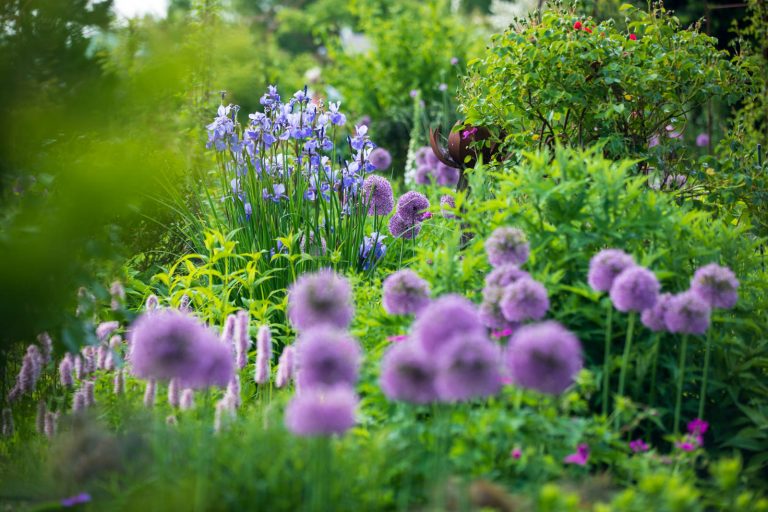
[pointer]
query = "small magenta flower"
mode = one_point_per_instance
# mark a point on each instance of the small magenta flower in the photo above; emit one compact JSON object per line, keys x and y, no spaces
{"x":698,"y":427}
{"x":516,"y":453}
{"x":638,"y":446}
{"x":702,"y":140}
{"x":377,"y":194}
{"x":445,"y":318}
{"x":525,"y":299}
{"x":285,"y":367}
{"x":653,"y":318}
{"x":469,"y":132}
{"x":507,"y":245}
{"x":404,"y":293}
{"x":580,"y":458}
{"x":322,"y":411}
{"x":605,"y":266}
{"x":327,"y":357}
{"x":411,"y":205}
{"x":545,"y":357}
{"x":320,"y":298}
{"x":688,"y":443}
{"x":414,"y":93}
{"x":687,"y":313}
{"x":468,"y":368}
{"x":408,"y":374}
{"x":716,"y":285}
{"x":632,"y":37}
{"x":635,"y":289}
{"x":399,"y":228}
{"x":380,"y":159}
{"x":78,"y":499}
{"x":263,"y":355}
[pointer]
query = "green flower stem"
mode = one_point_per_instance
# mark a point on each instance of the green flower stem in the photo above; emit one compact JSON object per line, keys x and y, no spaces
{"x":680,"y":381}
{"x":654,"y":369}
{"x":705,"y":376}
{"x":625,"y":356}
{"x":607,"y":360}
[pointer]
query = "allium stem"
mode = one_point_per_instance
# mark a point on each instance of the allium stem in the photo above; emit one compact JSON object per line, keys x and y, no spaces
{"x":607,"y":359}
{"x":654,"y":369}
{"x":627,"y":350}
{"x":705,"y":376}
{"x":680,"y":381}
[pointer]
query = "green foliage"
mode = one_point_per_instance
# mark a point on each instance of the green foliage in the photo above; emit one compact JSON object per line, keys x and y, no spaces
{"x":545,"y":83}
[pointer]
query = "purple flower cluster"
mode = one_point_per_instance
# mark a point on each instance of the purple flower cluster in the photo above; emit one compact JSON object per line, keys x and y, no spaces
{"x":524,"y":301}
{"x":377,"y":194}
{"x":263,"y":355}
{"x":507,"y":245}
{"x":285,"y":367}
{"x":429,"y":169}
{"x":168,"y":344}
{"x":694,"y":439}
{"x":320,"y":298}
{"x":635,"y":289}
{"x":327,"y":357}
{"x":404,"y":293}
{"x":605,"y":266}
{"x":322,"y":411}
{"x":411,"y":211}
{"x":716,"y":285}
{"x":380,"y":159}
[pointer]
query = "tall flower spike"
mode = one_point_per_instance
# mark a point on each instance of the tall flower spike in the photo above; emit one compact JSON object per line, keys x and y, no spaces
{"x":118,"y":384}
{"x":263,"y":355}
{"x":79,"y":402}
{"x":49,"y":424}
{"x":152,"y":303}
{"x":150,"y":392}
{"x":89,"y":391}
{"x":285,"y":367}
{"x":65,"y":371}
{"x":242,"y":338}
{"x":187,"y":400}
{"x":7,"y":426}
{"x":228,"y":332}
{"x":46,"y":347}
{"x":40,"y":418}
{"x":174,"y":393}
{"x":79,"y":365}
{"x":233,"y":391}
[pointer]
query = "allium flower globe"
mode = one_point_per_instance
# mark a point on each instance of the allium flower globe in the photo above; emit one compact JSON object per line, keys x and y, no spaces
{"x":411,"y":205}
{"x":525,"y":299}
{"x":400,"y":228}
{"x":446,"y":176}
{"x":504,"y":275}
{"x":687,"y":313}
{"x":408,"y":374}
{"x":716,"y":285}
{"x":444,"y":318}
{"x":326,"y":357}
{"x":545,"y":357}
{"x":321,"y":411}
{"x":404,"y":293}
{"x":169,"y":344}
{"x":423,"y":175}
{"x":507,"y":245}
{"x":635,"y":289}
{"x":320,"y":298}
{"x":654,"y":318}
{"x":380,"y":159}
{"x":469,"y":367}
{"x":605,"y":266}
{"x":377,"y":194}
{"x":490,"y":312}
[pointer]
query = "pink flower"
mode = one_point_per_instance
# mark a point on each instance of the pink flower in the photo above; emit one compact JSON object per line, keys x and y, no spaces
{"x":516,"y":453}
{"x":689,"y":443}
{"x":502,"y":333}
{"x":698,"y":427}
{"x":577,"y":25}
{"x":638,"y":446}
{"x":633,"y":37}
{"x":468,"y":132}
{"x":397,"y":338}
{"x":579,"y":458}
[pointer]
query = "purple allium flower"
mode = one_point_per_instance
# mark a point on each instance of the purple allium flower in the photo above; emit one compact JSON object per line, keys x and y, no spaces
{"x":716,"y":285}
{"x":49,"y":424}
{"x":167,"y":344}
{"x":469,"y":368}
{"x":174,"y":393}
{"x":326,"y":357}
{"x":187,"y":400}
{"x":503,"y":276}
{"x":118,"y":384}
{"x":40,"y":417}
{"x":65,"y":371}
{"x":398,"y":228}
{"x":79,"y":499}
{"x":579,"y":458}
{"x":545,"y":357}
{"x":321,"y":411}
{"x":105,"y":329}
{"x":446,"y":176}
{"x":490,"y":312}
{"x":447,"y":202}
{"x":233,"y":391}
{"x":242,"y":338}
{"x":444,"y":318}
{"x":411,"y":205}
{"x":653,"y":318}
{"x":263,"y":355}
{"x":698,"y":427}
{"x":702,"y":140}
{"x":423,"y":175}
{"x":638,"y":446}
{"x":605,"y":266}
{"x":408,"y":374}
{"x":635,"y":289}
{"x":285,"y":367}
{"x":380,"y":159}
{"x":152,"y":303}
{"x":404,"y":293}
{"x":525,"y":299}
{"x":507,"y":245}
{"x":150,"y":393}
{"x":320,"y":298}
{"x":687,"y":313}
{"x":377,"y":194}
{"x":46,"y":347}
{"x":7,"y":425}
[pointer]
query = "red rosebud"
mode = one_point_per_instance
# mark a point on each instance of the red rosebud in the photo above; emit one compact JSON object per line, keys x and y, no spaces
{"x":577,"y":25}
{"x":587,"y":30}
{"x":633,"y":37}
